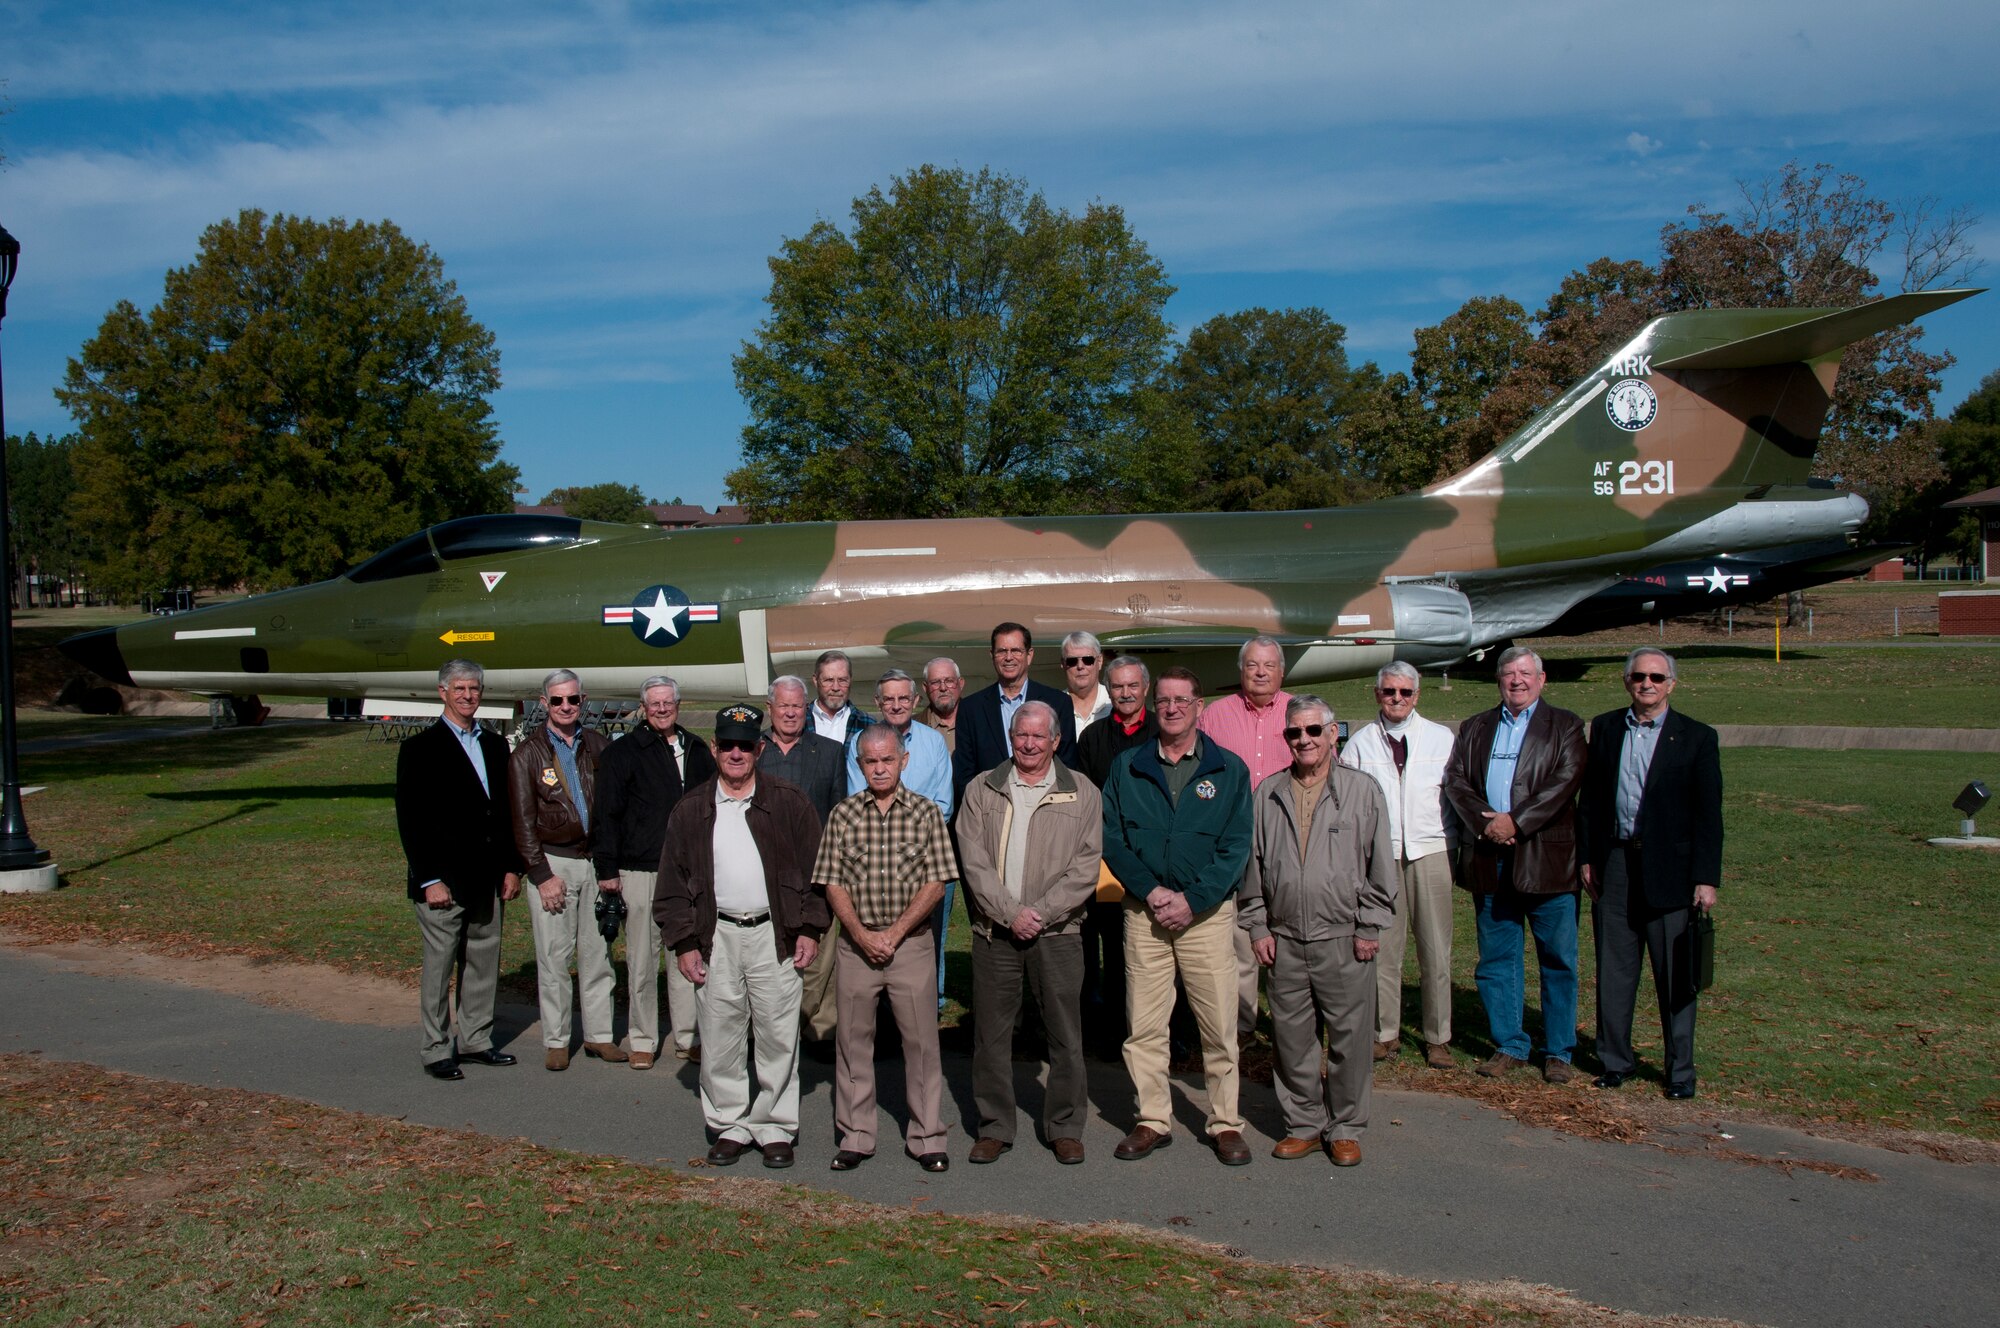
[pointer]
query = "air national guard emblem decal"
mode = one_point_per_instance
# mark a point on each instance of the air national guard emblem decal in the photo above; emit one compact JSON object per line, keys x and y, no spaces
{"x":661,"y":615}
{"x":1631,"y":404}
{"x":1205,"y":790}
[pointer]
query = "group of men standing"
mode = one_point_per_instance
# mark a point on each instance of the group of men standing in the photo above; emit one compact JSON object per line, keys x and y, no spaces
{"x":801,"y":873}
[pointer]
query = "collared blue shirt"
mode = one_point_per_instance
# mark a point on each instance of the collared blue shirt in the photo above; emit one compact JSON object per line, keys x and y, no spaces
{"x":1642,"y":739}
{"x":1508,"y":735}
{"x":1008,"y":705}
{"x":566,"y":758}
{"x":928,"y":775}
{"x":468,"y":742}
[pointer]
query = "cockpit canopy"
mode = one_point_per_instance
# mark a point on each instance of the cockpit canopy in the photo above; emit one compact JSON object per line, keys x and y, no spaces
{"x":468,"y":537}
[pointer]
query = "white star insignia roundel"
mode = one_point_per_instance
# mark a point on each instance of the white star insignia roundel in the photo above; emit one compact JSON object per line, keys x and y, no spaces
{"x":1717,"y":580}
{"x":661,"y":615}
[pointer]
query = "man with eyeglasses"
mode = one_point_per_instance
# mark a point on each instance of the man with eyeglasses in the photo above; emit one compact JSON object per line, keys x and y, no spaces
{"x":1512,"y":780}
{"x":1320,"y":888}
{"x":456,"y":827}
{"x":985,"y":715}
{"x":1405,"y":754}
{"x":639,"y":784}
{"x":1130,"y":724}
{"x":1649,"y":831}
{"x":793,"y":752}
{"x":552,"y":779}
{"x":1177,"y":836}
{"x":943,"y":684}
{"x":1250,"y":724}
{"x":738,"y":908}
{"x":1083,"y":665}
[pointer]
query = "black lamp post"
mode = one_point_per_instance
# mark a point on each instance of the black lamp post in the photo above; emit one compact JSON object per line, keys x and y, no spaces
{"x":17,"y":849}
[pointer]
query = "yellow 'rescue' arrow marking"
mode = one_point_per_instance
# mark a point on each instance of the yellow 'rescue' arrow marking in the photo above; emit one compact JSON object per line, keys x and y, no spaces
{"x":453,"y":636}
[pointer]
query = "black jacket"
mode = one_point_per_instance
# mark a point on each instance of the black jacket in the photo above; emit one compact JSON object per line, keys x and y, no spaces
{"x":982,"y":738}
{"x":1104,"y":741}
{"x":1680,"y":811}
{"x":453,"y":830}
{"x":637,"y":787}
{"x":786,"y":830}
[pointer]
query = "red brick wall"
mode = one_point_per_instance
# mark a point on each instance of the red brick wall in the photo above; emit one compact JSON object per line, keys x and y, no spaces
{"x":1969,"y":613}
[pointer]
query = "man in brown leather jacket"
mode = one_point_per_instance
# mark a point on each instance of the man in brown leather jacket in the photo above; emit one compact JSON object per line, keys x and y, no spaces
{"x":552,"y":780}
{"x":1512,"y":778}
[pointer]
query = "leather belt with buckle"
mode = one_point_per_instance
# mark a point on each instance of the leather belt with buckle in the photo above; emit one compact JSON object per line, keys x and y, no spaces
{"x":745,"y":919}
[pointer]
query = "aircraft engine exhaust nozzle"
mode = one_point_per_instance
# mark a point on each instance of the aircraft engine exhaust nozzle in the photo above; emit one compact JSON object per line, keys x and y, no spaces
{"x":98,"y":651}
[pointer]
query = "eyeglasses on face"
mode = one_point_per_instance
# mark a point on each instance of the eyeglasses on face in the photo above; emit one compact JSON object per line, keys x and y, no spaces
{"x":735,"y":745}
{"x":555,"y":701}
{"x":1174,"y":703}
{"x":1078,"y":661}
{"x":1636,"y":678}
{"x":1008,"y":652}
{"x":1397,"y":692}
{"x":1304,"y":731}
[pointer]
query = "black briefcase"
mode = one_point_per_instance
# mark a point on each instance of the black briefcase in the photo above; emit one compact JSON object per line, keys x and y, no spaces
{"x":1701,"y":949}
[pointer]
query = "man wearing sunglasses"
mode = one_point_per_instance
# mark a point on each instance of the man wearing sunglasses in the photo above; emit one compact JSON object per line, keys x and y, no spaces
{"x":1083,"y":664}
{"x":1405,"y":754}
{"x":1320,"y":887}
{"x":738,"y":908}
{"x":639,"y":784}
{"x":552,"y":778}
{"x":1512,"y":779}
{"x":1649,"y":831}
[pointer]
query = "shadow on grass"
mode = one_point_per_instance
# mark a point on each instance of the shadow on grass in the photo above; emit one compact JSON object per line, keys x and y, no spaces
{"x":182,"y":833}
{"x":168,"y":753}
{"x":282,"y":792}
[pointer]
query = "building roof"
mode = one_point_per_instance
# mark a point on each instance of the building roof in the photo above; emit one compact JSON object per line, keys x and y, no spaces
{"x":1984,"y":498}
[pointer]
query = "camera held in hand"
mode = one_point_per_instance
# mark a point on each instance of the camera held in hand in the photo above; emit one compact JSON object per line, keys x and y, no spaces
{"x":610,"y":915}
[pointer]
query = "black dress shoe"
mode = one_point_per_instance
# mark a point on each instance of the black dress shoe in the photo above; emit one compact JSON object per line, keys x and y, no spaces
{"x":777,"y":1156}
{"x":1609,"y":1079}
{"x":488,"y":1056}
{"x":1680,"y":1092}
{"x":848,"y":1160}
{"x":724,"y":1152}
{"x":930,"y":1161}
{"x":444,"y":1069}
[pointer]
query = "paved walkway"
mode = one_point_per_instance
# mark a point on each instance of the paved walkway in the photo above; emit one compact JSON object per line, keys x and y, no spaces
{"x":1449,"y":1190}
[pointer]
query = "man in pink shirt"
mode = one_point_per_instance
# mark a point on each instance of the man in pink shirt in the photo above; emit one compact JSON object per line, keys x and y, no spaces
{"x":1252,"y":725}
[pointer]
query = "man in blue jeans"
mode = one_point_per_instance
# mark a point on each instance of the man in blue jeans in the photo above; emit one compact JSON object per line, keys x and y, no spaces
{"x":1512,"y":778}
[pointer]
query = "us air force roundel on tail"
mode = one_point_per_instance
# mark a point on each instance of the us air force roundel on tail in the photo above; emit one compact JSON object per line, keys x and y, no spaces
{"x":661,"y":615}
{"x":1631,"y":404}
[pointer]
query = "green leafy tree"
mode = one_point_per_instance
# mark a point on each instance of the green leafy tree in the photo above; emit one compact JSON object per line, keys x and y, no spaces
{"x":303,"y":394}
{"x":602,"y":502}
{"x":1267,"y":392}
{"x":963,"y":348}
{"x":40,"y":483}
{"x":1968,"y":457}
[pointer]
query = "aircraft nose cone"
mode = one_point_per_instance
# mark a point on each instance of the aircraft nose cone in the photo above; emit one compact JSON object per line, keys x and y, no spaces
{"x":98,"y":651}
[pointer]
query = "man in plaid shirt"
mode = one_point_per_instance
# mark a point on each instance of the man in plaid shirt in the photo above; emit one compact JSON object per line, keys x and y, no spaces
{"x":883,"y":863}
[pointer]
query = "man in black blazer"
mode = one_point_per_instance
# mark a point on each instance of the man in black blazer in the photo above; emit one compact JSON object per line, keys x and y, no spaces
{"x":983,"y":716}
{"x":452,"y":815}
{"x":1650,"y":835}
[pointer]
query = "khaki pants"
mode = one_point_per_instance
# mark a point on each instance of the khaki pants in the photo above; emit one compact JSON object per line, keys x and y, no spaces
{"x":465,"y":942}
{"x":1315,"y":983}
{"x":1204,"y":954}
{"x":817,"y":1011}
{"x":571,"y":935}
{"x":910,"y":979}
{"x":750,"y":1002}
{"x":1423,"y":905}
{"x":642,"y":973}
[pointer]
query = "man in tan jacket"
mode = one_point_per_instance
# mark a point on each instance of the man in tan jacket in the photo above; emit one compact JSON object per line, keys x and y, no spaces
{"x":1030,"y":833}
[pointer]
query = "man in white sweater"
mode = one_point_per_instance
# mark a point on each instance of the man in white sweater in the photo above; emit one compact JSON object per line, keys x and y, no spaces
{"x":1405,"y":754}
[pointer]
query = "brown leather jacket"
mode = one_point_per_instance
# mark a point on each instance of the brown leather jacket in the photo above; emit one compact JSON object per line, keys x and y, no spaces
{"x":545,"y":820}
{"x":786,"y":829}
{"x":1546,"y":777}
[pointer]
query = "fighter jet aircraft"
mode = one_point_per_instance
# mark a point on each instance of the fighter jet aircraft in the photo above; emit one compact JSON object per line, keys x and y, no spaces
{"x":1694,"y":439}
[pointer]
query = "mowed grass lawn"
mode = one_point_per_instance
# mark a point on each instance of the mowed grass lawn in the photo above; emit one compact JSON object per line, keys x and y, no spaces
{"x":1857,"y":975}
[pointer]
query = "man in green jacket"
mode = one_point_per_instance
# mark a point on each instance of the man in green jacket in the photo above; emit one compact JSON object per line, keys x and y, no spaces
{"x":1177,"y":835}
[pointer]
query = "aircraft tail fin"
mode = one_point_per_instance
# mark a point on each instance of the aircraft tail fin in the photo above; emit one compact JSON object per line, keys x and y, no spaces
{"x":1815,"y":338}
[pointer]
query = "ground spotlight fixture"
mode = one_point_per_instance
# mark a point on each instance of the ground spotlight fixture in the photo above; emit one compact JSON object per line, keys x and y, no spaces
{"x":1970,"y":803}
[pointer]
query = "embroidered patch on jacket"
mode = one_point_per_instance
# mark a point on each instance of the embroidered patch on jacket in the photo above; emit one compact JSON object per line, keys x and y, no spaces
{"x":1205,"y":790}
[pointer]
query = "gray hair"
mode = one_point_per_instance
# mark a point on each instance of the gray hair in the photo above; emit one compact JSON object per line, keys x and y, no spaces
{"x":1634,"y":657}
{"x":1131,"y":662}
{"x":1042,"y":708}
{"x":660,"y":680}
{"x":1083,"y":639}
{"x":1512,"y":653}
{"x":786,"y":680}
{"x":894,"y":675}
{"x":1396,"y":668}
{"x":558,"y":678}
{"x":875,"y":733}
{"x":1304,"y":701}
{"x":946,"y":660}
{"x":460,"y":668}
{"x":1243,"y":652}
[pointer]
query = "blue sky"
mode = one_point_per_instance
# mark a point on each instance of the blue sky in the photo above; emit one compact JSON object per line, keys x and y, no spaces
{"x":605,"y":181}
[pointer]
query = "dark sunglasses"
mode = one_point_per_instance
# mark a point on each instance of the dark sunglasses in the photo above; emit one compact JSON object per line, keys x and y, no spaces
{"x":1304,"y":731}
{"x":1395,"y":691}
{"x":735,"y":745}
{"x":555,"y":701}
{"x":1072,"y":661}
{"x":1647,"y":677}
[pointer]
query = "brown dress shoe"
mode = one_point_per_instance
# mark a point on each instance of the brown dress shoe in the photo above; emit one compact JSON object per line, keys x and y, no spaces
{"x":724,"y":1152}
{"x":606,"y":1051}
{"x":1291,"y":1148}
{"x":1437,"y":1055}
{"x":1140,"y":1142}
{"x":1345,"y":1153}
{"x":1384,"y":1050}
{"x":1230,"y":1150}
{"x":1557,"y":1072}
{"x":778,"y":1156}
{"x":642,"y":1060}
{"x":557,"y":1059}
{"x":1499,"y":1065}
{"x":1069,"y":1152}
{"x":987,"y":1150}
